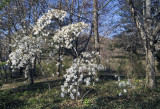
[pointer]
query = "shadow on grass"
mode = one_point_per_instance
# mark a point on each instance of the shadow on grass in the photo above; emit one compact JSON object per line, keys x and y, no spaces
{"x":40,"y":85}
{"x":13,"y":98}
{"x":145,"y":99}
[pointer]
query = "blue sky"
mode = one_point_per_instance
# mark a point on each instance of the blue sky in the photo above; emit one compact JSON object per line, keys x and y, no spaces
{"x":108,"y":20}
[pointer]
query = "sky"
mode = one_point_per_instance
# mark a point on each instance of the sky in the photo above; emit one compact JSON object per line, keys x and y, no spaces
{"x":109,"y":20}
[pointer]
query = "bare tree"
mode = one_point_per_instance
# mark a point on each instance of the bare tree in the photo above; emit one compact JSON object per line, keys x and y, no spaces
{"x":149,"y":28}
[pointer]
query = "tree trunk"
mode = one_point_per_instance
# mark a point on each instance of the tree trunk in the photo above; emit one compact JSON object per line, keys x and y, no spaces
{"x":148,"y":34}
{"x":60,"y":48}
{"x":95,"y":25}
{"x":31,"y":81}
{"x":34,"y":66}
{"x":150,"y":65}
{"x":150,"y":70}
{"x":29,"y":73}
{"x":59,"y":62}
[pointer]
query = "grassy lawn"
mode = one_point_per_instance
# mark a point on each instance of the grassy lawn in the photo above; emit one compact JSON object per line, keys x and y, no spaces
{"x":105,"y":94}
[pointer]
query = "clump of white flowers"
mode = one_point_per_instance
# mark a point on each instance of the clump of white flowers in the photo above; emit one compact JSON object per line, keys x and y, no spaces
{"x":123,"y":84}
{"x":46,"y":19}
{"x":25,"y":51}
{"x":83,"y":70}
{"x":67,"y":34}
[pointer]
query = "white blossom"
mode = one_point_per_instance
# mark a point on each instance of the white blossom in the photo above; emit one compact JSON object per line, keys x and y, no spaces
{"x":120,"y":94}
{"x":115,"y":76}
{"x":119,"y":79}
{"x":97,"y":79}
{"x":71,"y":95}
{"x":67,"y":34}
{"x":62,"y":94}
{"x":45,"y":19}
{"x":124,"y":90}
{"x":74,"y":90}
{"x":26,"y":48}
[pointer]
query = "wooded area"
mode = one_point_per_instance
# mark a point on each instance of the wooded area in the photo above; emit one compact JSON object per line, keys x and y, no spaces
{"x":79,"y":54}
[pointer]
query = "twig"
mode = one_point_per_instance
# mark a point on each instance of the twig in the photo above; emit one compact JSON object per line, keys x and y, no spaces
{"x":85,"y":94}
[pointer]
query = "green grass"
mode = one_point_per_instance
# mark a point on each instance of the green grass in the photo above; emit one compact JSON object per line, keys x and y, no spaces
{"x":105,"y":94}
{"x":35,"y":96}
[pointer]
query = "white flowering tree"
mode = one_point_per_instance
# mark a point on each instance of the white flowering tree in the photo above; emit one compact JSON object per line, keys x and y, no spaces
{"x":83,"y":70}
{"x":84,"y":67}
{"x":29,"y":46}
